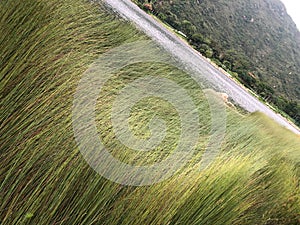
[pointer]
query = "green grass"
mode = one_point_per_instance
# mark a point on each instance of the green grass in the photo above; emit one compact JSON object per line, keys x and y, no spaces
{"x":45,"y":48}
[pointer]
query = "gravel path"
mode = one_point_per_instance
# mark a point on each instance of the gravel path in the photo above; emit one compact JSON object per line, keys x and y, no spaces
{"x":198,"y":66}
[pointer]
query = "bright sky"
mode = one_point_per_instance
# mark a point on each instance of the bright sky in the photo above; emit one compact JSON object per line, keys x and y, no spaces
{"x":293,"y":9}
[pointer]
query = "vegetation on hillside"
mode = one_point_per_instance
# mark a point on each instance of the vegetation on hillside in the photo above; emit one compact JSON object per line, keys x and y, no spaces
{"x":45,"y":47}
{"x":255,"y":41}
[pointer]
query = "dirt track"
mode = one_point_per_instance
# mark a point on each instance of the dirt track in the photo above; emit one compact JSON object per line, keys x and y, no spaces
{"x":199,"y":67}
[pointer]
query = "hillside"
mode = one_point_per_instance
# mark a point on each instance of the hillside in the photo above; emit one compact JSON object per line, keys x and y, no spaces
{"x":46,"y":48}
{"x":255,"y":40}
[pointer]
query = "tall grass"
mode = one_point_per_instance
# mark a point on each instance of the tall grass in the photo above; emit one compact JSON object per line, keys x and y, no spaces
{"x":45,"y":48}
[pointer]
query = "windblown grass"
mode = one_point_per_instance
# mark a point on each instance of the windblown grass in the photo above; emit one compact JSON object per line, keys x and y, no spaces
{"x":45,"y":48}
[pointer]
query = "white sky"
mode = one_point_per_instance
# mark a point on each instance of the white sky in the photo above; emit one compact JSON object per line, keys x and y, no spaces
{"x":293,"y":9}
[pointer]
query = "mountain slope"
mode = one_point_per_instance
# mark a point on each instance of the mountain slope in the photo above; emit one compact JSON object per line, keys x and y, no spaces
{"x":256,"y":40}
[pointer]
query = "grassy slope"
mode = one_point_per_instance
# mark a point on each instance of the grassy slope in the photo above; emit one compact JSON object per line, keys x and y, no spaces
{"x":45,"y":47}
